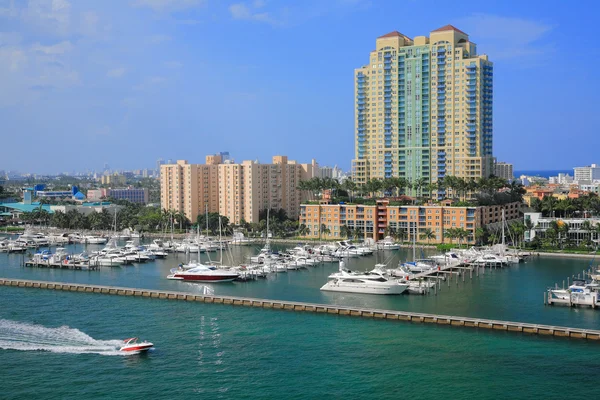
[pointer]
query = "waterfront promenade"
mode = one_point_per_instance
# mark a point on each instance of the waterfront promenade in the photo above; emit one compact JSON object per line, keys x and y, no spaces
{"x":455,"y":321}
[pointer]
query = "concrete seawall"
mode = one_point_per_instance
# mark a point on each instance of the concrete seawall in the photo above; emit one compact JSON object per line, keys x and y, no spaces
{"x":549,"y":330}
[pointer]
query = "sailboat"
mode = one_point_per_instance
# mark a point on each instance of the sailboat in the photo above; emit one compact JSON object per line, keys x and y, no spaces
{"x":204,"y":273}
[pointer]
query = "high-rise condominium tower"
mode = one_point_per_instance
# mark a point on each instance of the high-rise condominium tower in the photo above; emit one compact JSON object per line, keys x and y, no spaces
{"x":424,"y":109}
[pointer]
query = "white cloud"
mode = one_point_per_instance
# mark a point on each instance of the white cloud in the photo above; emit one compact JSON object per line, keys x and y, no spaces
{"x":167,"y":5}
{"x":242,"y":12}
{"x":507,"y":37}
{"x":9,"y":10}
{"x":116,"y":72}
{"x":59,"y":48}
{"x":51,"y":15}
{"x":26,"y":71}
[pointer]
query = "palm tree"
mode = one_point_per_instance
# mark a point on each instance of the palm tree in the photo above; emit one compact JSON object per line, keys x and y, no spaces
{"x":303,"y":230}
{"x":597,"y":231}
{"x":344,"y":231}
{"x":461,"y":234}
{"x":400,"y":235}
{"x":479,"y":235}
{"x":418,"y":185}
{"x":529,"y":226}
{"x":549,"y":204}
{"x":427,"y":234}
{"x":429,"y":189}
{"x":350,"y":186}
{"x":451,"y":233}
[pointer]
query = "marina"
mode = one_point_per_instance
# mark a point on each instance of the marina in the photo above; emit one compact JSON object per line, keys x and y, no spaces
{"x":445,"y":284}
{"x":558,"y":331}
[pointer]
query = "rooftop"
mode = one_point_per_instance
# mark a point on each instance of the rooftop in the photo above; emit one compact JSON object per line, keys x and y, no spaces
{"x":393,"y":34}
{"x":26,"y":207}
{"x":449,"y":28}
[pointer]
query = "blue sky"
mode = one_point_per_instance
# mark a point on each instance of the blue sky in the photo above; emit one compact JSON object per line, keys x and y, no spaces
{"x":129,"y":81}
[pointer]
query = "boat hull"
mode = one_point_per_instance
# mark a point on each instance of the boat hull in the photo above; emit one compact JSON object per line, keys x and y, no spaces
{"x":204,"y":278}
{"x":364,"y":289}
{"x":136,"y":348}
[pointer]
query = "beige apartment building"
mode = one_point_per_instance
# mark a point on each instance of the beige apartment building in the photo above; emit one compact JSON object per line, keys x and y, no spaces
{"x":377,"y":221}
{"x":424,"y":109}
{"x":237,"y":191}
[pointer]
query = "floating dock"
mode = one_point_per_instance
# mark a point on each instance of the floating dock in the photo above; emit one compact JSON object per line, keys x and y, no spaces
{"x":62,"y":265}
{"x":559,"y":331}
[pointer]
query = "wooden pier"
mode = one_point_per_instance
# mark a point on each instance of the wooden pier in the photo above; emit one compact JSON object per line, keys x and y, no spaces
{"x":548,"y":330}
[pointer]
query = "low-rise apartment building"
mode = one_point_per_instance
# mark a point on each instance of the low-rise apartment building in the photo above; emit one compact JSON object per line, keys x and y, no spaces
{"x":575,"y":229}
{"x":132,"y":194}
{"x":375,"y":221}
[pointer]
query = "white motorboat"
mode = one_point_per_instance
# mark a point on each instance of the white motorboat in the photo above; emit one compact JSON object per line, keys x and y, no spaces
{"x":131,"y":345}
{"x":449,"y":259}
{"x":388,"y":244}
{"x":56,"y":238}
{"x":490,"y":260}
{"x":95,"y":239}
{"x":365,"y":284}
{"x":373,"y":282}
{"x":202,"y":273}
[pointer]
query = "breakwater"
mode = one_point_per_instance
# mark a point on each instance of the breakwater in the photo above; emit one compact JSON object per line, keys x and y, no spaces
{"x":559,"y":331}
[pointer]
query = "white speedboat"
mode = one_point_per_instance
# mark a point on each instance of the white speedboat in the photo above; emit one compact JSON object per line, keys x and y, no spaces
{"x":202,"y":273}
{"x":131,"y":345}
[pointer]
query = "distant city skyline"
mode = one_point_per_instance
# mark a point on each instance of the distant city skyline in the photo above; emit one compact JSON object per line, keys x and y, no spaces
{"x":126,"y":83}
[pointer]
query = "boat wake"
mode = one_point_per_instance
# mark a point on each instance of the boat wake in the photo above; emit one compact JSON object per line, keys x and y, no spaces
{"x":23,"y":336}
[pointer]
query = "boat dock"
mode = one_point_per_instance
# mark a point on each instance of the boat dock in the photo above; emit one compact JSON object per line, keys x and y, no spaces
{"x":62,"y":265}
{"x":456,"y":321}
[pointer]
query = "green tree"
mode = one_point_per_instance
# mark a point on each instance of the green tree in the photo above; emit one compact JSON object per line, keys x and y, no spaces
{"x":427,"y":234}
{"x":213,"y":222}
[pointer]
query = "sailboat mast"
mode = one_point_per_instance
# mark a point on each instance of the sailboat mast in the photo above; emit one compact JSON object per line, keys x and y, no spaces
{"x":206,"y":212}
{"x":268,"y":241}
{"x":503,"y":222}
{"x":414,"y":239}
{"x":220,"y":240}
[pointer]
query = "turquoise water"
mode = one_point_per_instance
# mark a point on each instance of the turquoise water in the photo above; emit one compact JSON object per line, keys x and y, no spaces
{"x":60,"y":344}
{"x":222,"y":352}
{"x":514,"y":294}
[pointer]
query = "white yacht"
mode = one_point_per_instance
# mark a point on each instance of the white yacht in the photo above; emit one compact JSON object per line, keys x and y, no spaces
{"x":490,"y":260}
{"x":388,"y":244}
{"x":448,"y":259}
{"x":202,"y":273}
{"x":369,"y":283}
{"x":95,"y":239}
